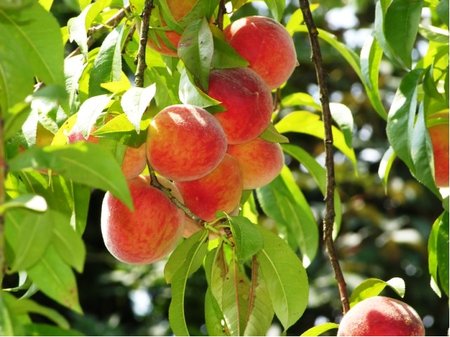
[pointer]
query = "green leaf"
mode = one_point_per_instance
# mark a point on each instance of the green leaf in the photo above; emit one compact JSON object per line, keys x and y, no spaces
{"x":178,"y":257}
{"x":196,"y":49}
{"x":272,"y":135}
{"x":135,"y":102}
{"x":192,"y":262}
{"x":283,"y":201}
{"x":213,"y":316}
{"x":401,"y":117}
{"x":422,"y":153}
{"x":226,"y":56}
{"x":276,"y":8}
{"x":318,"y":173}
{"x":385,"y":165}
{"x":438,"y":252}
{"x":442,"y":11}
{"x":55,"y":279}
{"x":373,"y":287}
{"x":285,"y":278}
{"x":400,"y":26}
{"x":370,"y":60}
{"x":89,"y":112}
{"x":108,"y":63}
{"x":27,"y":306}
{"x":36,"y":32}
{"x":6,"y":323}
{"x":320,"y":329}
{"x":31,"y":202}
{"x":69,"y":245}
{"x":247,"y":238}
{"x":82,"y":162}
{"x":81,"y":195}
{"x":300,"y":99}
{"x":260,"y":309}
{"x":310,"y":123}
{"x":343,"y":117}
{"x":230,"y":288}
{"x":28,"y":234}
{"x":189,"y":93}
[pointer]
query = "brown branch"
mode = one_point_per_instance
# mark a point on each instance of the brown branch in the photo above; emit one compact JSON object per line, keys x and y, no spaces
{"x":329,"y":217}
{"x":143,"y":37}
{"x":220,"y":14}
{"x":112,"y":22}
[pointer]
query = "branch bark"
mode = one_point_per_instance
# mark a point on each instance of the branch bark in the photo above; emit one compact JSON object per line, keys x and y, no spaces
{"x":329,"y":217}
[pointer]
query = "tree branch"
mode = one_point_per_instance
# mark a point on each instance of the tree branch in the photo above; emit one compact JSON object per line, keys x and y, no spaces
{"x":329,"y":217}
{"x":143,"y":37}
{"x":220,"y":14}
{"x":113,"y":21}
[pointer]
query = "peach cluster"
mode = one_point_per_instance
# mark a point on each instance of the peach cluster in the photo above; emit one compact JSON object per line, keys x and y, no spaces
{"x":206,"y":160}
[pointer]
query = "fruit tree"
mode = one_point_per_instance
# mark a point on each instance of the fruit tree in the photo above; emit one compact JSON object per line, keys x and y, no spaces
{"x":224,"y":167}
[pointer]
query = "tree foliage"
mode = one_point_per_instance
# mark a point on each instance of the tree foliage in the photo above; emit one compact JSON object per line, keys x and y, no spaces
{"x":79,"y":73}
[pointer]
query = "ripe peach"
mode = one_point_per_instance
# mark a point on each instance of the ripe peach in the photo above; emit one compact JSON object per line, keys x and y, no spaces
{"x":179,"y":9}
{"x":185,"y":142}
{"x":218,"y":191}
{"x":247,"y":100}
{"x":134,"y":161}
{"x":381,"y":316}
{"x":260,"y":161}
{"x":439,"y":131}
{"x":148,"y":233}
{"x":266,"y":45}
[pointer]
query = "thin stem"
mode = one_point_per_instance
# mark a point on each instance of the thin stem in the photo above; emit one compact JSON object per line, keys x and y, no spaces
{"x":220,"y":14}
{"x":143,"y":37}
{"x":329,"y":217}
{"x":113,"y":21}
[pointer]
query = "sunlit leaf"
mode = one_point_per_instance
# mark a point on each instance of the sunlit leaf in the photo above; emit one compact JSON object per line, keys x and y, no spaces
{"x":373,"y":287}
{"x":320,"y":329}
{"x":246,"y":236}
{"x":276,"y":7}
{"x":343,"y":117}
{"x":29,"y":201}
{"x":135,"y":102}
{"x":285,"y":278}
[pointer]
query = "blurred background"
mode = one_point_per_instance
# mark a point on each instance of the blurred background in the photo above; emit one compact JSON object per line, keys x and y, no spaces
{"x":384,"y":230}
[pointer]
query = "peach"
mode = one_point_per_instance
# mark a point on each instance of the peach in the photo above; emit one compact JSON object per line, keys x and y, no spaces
{"x":185,"y":142}
{"x":134,"y":161}
{"x":179,"y":9}
{"x":148,"y":233}
{"x":218,"y":191}
{"x":266,"y":45}
{"x":260,"y":161}
{"x":381,"y":316}
{"x":247,"y":100}
{"x":439,"y":130}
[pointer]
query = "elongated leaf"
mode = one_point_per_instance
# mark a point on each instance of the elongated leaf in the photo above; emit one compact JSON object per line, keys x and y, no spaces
{"x":343,"y":117}
{"x":81,"y":195}
{"x":196,"y":49}
{"x":108,"y":63}
{"x":422,"y":153}
{"x":300,"y":99}
{"x":370,"y":59}
{"x":36,"y":32}
{"x":276,"y":7}
{"x":192,"y":262}
{"x":373,"y":287}
{"x":400,"y":26}
{"x":55,"y":279}
{"x":246,"y":236}
{"x":69,"y":245}
{"x":189,"y":93}
{"x":386,"y":164}
{"x":28,"y":234}
{"x":285,"y":278}
{"x":89,"y":112}
{"x":438,"y":253}
{"x":26,"y":306}
{"x":401,"y":117}
{"x":178,"y":257}
{"x":272,"y":135}
{"x":309,"y":123}
{"x":134,"y":103}
{"x":320,"y":329}
{"x":226,"y":56}
{"x":213,"y":316}
{"x":6,"y":324}
{"x":260,"y":306}
{"x":82,"y":162}
{"x":283,"y":201}
{"x":318,"y":173}
{"x":29,"y":201}
{"x":38,"y":329}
